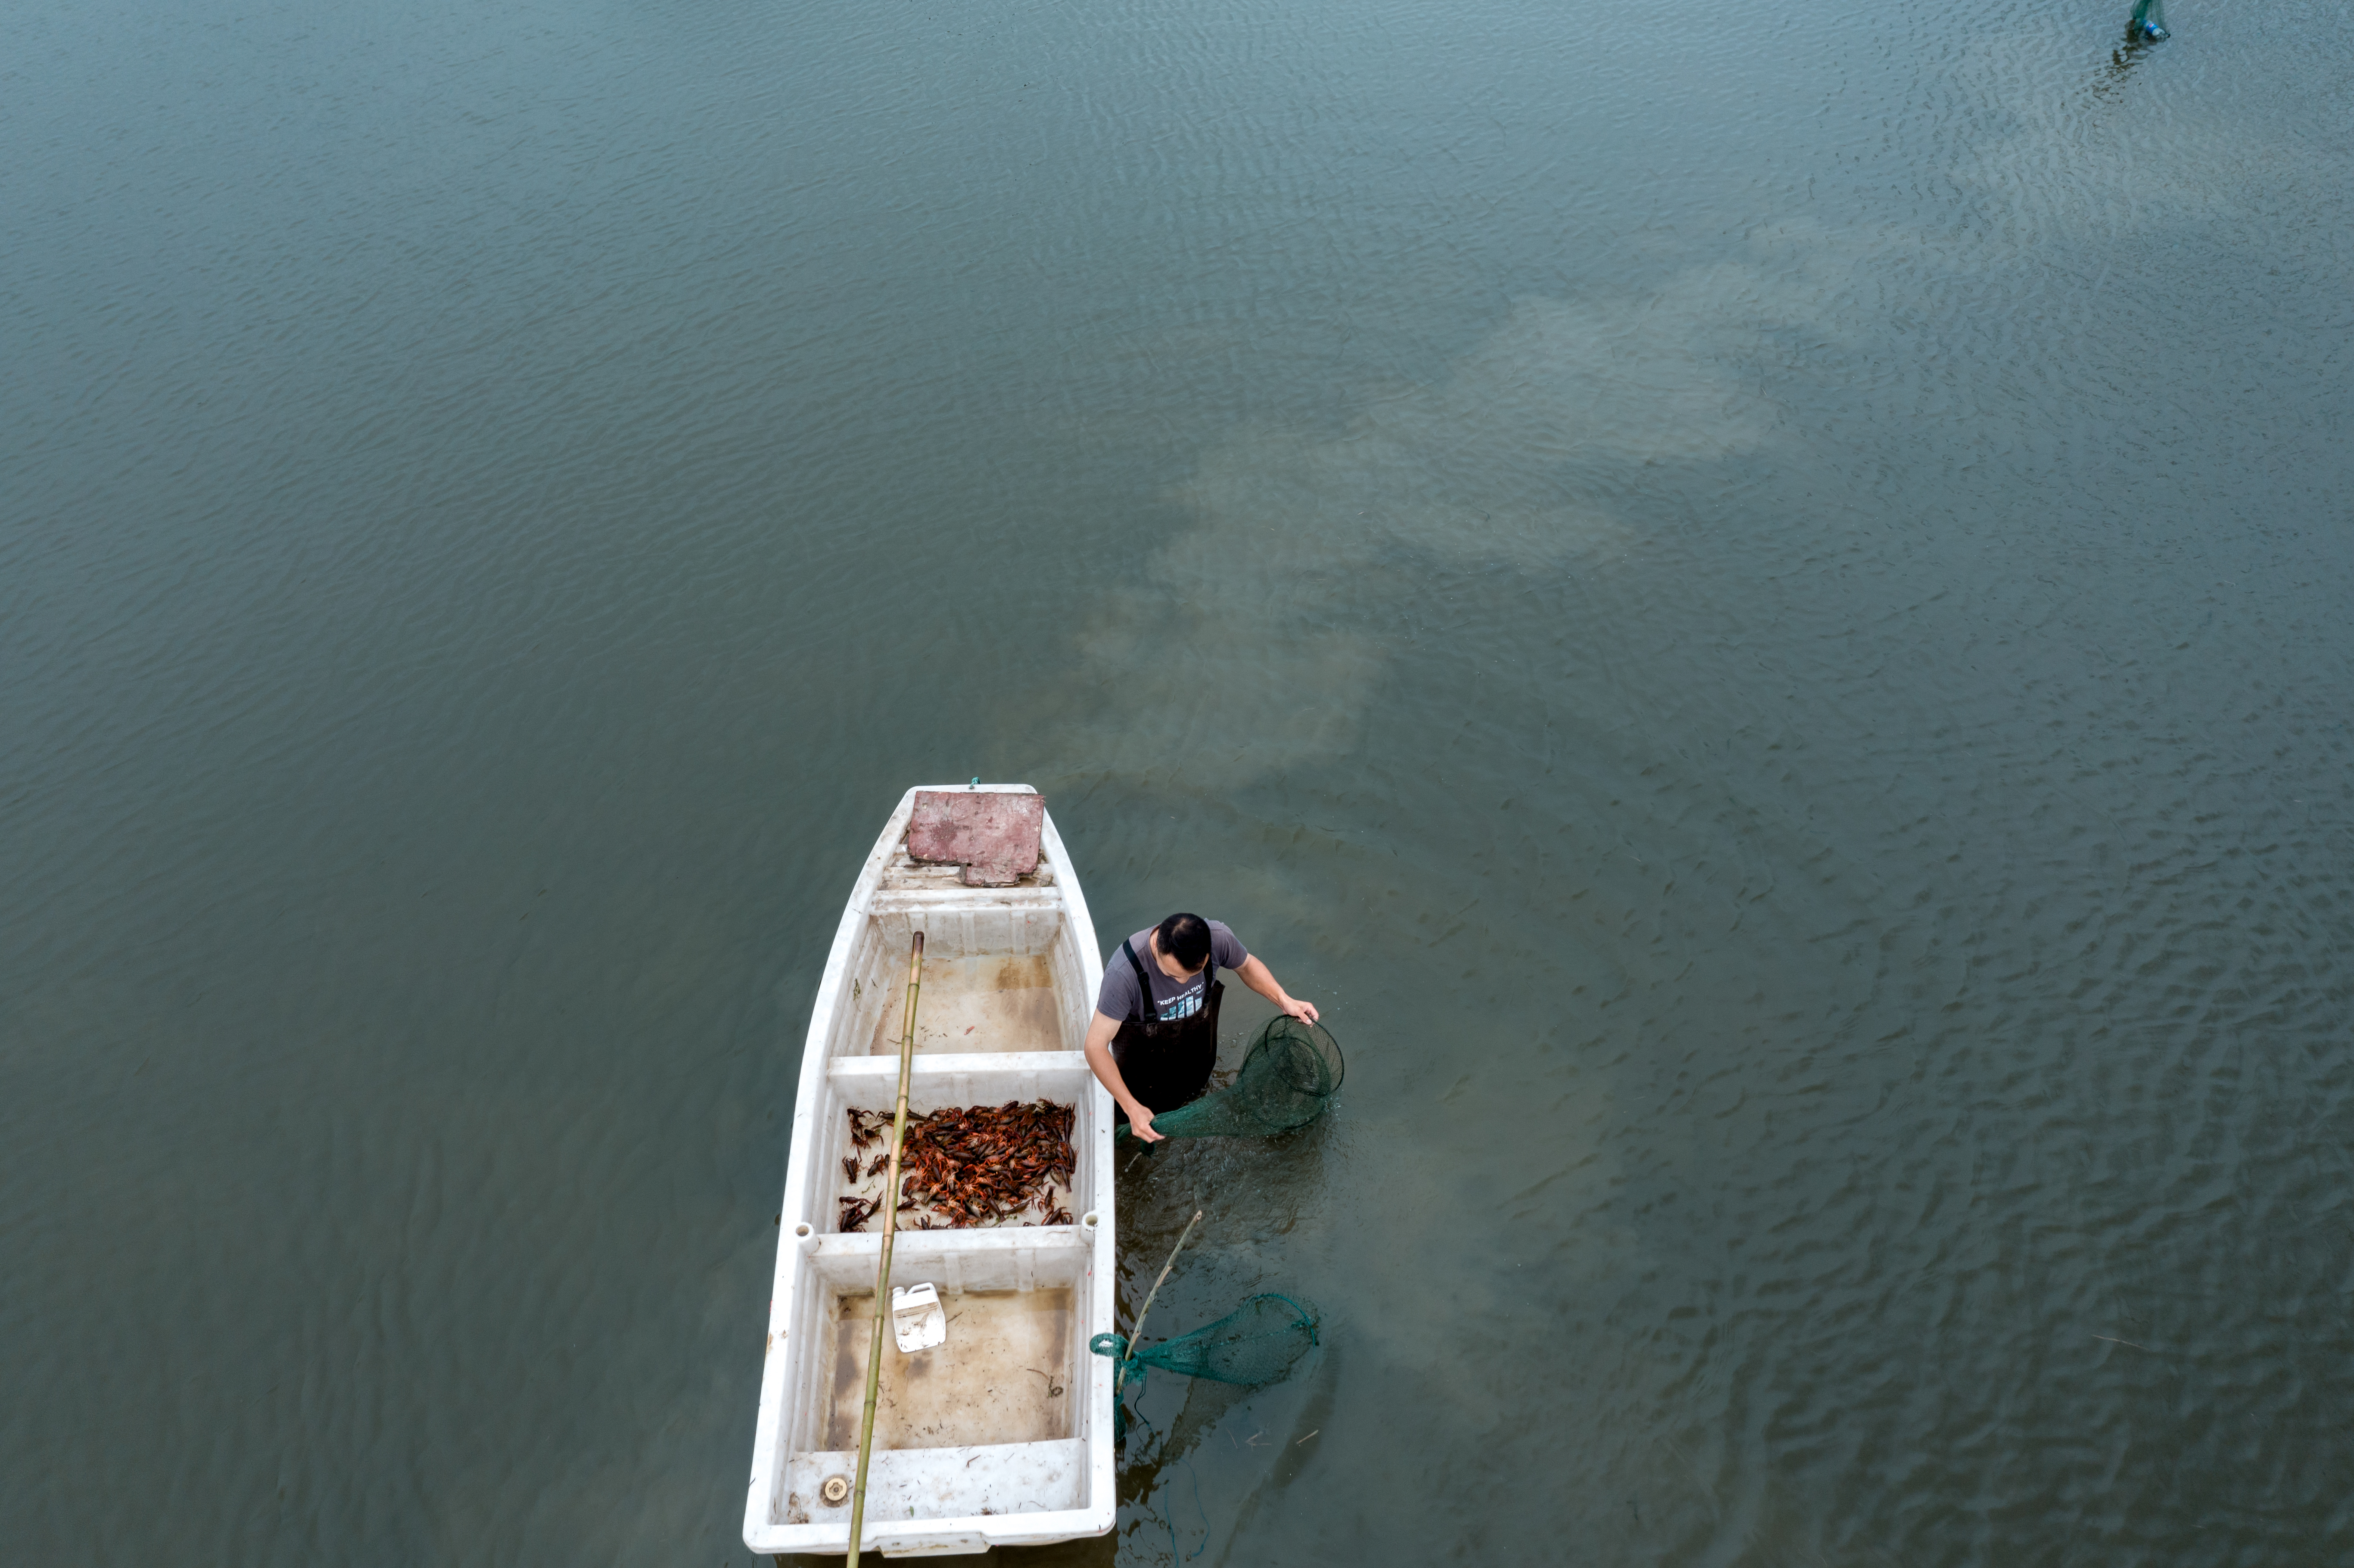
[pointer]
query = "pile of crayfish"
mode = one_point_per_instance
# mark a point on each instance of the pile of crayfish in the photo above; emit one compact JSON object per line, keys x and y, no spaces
{"x":969,"y":1166}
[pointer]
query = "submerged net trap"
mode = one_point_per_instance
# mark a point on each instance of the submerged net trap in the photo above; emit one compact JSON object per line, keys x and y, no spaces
{"x":1292,"y":1073}
{"x":1256,"y":1342}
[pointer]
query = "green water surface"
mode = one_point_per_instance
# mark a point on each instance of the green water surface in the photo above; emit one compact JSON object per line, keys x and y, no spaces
{"x":1754,"y":602}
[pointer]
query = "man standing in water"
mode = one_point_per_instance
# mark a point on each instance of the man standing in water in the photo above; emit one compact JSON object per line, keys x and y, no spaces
{"x":1155,"y":1034}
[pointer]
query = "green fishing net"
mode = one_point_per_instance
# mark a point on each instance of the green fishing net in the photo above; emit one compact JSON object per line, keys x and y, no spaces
{"x":2148,"y":23}
{"x":1292,"y":1073}
{"x":1256,"y":1342}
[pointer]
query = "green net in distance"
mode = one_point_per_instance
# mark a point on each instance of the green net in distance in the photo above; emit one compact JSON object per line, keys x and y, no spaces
{"x":1292,"y":1073}
{"x":1256,"y":1342}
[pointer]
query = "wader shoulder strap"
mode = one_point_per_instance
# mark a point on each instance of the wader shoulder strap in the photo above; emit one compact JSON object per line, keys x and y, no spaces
{"x":1144,"y":1005}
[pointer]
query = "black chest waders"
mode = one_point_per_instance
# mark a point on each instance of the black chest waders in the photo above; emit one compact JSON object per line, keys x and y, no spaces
{"x":1166,"y":1062}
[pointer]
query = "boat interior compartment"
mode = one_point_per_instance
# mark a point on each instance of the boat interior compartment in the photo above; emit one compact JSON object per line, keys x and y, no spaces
{"x":872,"y":1084}
{"x":990,"y":979}
{"x":993,"y":1421}
{"x":1004,"y":1383}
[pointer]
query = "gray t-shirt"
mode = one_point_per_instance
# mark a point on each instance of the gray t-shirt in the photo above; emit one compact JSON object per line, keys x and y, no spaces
{"x":1170,"y":998}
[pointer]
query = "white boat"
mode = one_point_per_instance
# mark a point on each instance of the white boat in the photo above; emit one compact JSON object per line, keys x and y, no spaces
{"x":1002,"y":1435}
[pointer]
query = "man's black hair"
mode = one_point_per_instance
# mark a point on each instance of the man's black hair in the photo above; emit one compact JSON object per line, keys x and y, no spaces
{"x":1186,"y":938}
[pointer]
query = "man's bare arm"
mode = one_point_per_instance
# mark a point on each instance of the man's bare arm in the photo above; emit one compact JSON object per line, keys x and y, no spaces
{"x":1255,"y":976}
{"x":1107,"y":1072}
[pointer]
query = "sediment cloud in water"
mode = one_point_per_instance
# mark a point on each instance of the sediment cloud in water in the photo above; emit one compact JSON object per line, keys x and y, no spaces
{"x":1248,"y":653}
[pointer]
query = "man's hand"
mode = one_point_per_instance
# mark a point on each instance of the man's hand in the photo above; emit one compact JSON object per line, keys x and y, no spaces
{"x":1140,"y":1122}
{"x":1303,"y":1011}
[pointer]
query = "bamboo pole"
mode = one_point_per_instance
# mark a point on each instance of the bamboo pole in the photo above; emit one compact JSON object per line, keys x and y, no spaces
{"x":1136,"y":1333}
{"x":890,"y":1232}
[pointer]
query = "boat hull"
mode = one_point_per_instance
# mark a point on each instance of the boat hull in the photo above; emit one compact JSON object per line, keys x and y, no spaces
{"x":1002,"y":1435}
